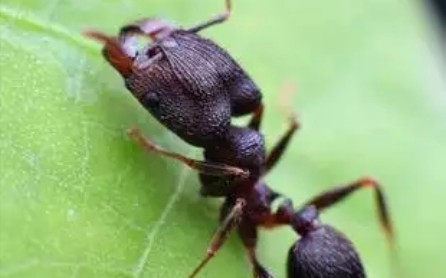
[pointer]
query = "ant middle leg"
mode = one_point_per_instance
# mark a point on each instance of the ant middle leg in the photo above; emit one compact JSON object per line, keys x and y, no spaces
{"x":205,"y":167}
{"x":257,"y":117}
{"x":331,"y":197}
{"x":279,"y":149}
{"x":231,"y":220}
{"x":286,"y":96}
{"x":216,"y":20}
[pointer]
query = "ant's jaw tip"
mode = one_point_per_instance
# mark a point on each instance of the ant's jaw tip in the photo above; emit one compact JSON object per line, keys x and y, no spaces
{"x":95,"y":35}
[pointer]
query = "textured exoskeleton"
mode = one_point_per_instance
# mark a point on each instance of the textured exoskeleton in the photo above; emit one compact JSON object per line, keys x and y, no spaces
{"x":322,"y":252}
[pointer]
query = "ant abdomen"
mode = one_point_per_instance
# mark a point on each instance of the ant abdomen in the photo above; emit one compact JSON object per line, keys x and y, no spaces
{"x":322,"y":251}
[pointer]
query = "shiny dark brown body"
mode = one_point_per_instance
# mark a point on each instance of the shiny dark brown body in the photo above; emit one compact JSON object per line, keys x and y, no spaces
{"x":194,"y":87}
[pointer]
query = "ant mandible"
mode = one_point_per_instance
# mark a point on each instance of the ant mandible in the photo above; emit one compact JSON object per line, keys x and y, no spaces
{"x":193,"y":87}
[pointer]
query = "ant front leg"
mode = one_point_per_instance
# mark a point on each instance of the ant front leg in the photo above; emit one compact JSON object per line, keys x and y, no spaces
{"x":232,"y":220}
{"x":216,"y":20}
{"x":331,"y":197}
{"x":208,"y":168}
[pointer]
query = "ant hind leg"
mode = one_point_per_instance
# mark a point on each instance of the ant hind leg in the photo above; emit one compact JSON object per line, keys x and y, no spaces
{"x":333,"y":196}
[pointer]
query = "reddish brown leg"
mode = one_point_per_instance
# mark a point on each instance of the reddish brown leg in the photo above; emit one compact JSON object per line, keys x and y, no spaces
{"x":204,"y":167}
{"x":248,"y":234}
{"x":331,"y":197}
{"x":259,"y":270}
{"x":220,"y":237}
{"x":256,"y":119}
{"x":216,"y":20}
{"x":278,"y":150}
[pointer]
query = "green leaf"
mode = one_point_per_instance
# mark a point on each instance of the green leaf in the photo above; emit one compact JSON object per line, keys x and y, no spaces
{"x":78,"y":198}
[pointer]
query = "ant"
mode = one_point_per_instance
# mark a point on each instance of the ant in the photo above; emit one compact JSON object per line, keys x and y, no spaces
{"x":194,"y":87}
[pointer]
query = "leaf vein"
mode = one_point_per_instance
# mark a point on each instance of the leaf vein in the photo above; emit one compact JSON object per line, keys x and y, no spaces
{"x":151,"y":236}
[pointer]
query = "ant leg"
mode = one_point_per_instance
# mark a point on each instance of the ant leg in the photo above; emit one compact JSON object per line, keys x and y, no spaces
{"x":216,"y":20}
{"x":331,"y":197}
{"x":208,"y":168}
{"x":248,"y":233}
{"x":114,"y":52}
{"x":286,"y":95}
{"x":256,"y":119}
{"x":278,"y":150}
{"x":259,"y":270}
{"x":229,"y":223}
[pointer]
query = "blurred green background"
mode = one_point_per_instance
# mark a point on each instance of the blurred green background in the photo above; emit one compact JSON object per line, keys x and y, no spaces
{"x":79,"y":199}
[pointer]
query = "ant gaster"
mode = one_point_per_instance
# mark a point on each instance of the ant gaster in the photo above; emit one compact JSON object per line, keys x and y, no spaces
{"x":193,"y":87}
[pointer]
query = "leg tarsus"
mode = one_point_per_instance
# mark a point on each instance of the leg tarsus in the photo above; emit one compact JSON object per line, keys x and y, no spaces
{"x":220,"y":237}
{"x":208,"y":168}
{"x":216,"y":20}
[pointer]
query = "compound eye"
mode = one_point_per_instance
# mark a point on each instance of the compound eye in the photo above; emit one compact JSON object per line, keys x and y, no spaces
{"x":151,"y":99}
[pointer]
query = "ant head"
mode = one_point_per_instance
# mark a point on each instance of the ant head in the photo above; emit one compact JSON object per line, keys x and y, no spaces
{"x":305,"y":220}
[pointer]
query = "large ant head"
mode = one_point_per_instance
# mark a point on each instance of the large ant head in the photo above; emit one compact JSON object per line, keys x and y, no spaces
{"x":322,"y":251}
